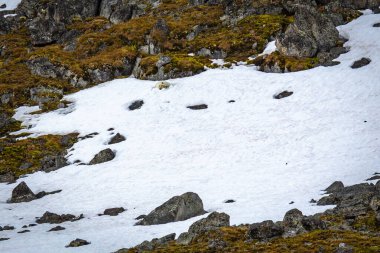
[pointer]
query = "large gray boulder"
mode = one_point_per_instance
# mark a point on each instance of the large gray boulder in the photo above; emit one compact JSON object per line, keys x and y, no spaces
{"x":22,"y":193}
{"x":309,"y":34}
{"x":214,"y":221}
{"x":103,"y":156}
{"x":178,"y":208}
{"x":45,"y":31}
{"x":264,"y":230}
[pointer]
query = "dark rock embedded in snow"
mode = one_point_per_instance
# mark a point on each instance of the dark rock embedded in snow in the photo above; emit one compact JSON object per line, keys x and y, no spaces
{"x":23,"y":231}
{"x":376,"y":25}
{"x":43,"y":193}
{"x":229,"y":201}
{"x":113,"y":211}
{"x":178,"y":208}
{"x":361,"y":63}
{"x":57,"y":228}
{"x":373,"y":178}
{"x":283,"y":94}
{"x":213,"y":221}
{"x":4,"y":239}
{"x":53,"y":218}
{"x":136,"y":105}
{"x":264,"y":230}
{"x":7,"y":228}
{"x":103,"y":156}
{"x":77,"y":243}
{"x":22,"y":193}
{"x":3,"y":6}
{"x":140,"y":217}
{"x":335,"y":187}
{"x":198,"y":107}
{"x":116,"y":139}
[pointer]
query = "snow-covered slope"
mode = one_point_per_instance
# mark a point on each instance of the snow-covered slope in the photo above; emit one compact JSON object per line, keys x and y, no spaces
{"x":261,"y":152}
{"x":10,"y":4}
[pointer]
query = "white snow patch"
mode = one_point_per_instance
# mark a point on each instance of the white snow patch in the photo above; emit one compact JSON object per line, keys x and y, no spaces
{"x":11,"y":4}
{"x":261,"y":152}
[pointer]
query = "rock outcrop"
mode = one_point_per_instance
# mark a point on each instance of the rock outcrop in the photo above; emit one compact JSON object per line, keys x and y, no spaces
{"x":178,"y":208}
{"x":22,"y":193}
{"x":53,"y":218}
{"x":213,"y":221}
{"x":309,"y":34}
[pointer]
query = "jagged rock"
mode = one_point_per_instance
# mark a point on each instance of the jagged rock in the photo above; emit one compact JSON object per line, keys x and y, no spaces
{"x":103,"y":156}
{"x":22,"y":193}
{"x":198,"y":107}
{"x":264,"y":230}
{"x":113,"y":211}
{"x":335,"y":187}
{"x":53,"y":218}
{"x":213,"y":221}
{"x":118,"y":11}
{"x":77,"y":243}
{"x":150,"y":245}
{"x":283,"y":94}
{"x":309,"y":34}
{"x":361,"y":63}
{"x":116,"y":139}
{"x":351,"y":201}
{"x":142,"y":216}
{"x":292,"y":223}
{"x":57,"y":228}
{"x":45,"y":31}
{"x":135,"y":105}
{"x":107,"y":73}
{"x":178,"y":208}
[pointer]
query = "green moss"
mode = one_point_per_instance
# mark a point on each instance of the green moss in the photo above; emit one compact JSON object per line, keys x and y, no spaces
{"x":14,"y":153}
{"x":235,"y":241}
{"x":291,"y":64}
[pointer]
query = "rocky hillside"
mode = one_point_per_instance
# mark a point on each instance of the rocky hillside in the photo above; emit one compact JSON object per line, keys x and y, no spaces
{"x":241,"y":110}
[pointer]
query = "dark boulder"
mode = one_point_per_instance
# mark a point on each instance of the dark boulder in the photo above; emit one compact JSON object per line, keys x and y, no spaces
{"x":214,"y":221}
{"x":113,"y":211}
{"x":361,"y":63}
{"x":335,"y":187}
{"x":116,"y":139}
{"x":77,"y":243}
{"x":118,"y":11}
{"x":135,"y":105}
{"x":283,"y":94}
{"x":264,"y":230}
{"x":23,"y":231}
{"x":45,"y":31}
{"x":178,"y":208}
{"x":53,"y":218}
{"x":376,"y":25}
{"x":6,"y":228}
{"x":22,"y":193}
{"x":57,"y":228}
{"x":103,"y":156}
{"x":198,"y":107}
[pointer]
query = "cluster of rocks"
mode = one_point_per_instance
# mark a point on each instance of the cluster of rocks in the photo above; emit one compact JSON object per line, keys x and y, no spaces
{"x":352,"y":202}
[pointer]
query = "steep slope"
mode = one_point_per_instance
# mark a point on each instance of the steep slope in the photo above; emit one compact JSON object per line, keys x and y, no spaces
{"x":260,"y":151}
